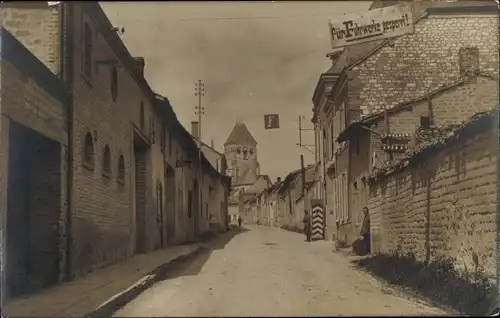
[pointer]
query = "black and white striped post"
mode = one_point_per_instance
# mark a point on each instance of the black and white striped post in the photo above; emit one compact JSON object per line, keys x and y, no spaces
{"x":317,"y":220}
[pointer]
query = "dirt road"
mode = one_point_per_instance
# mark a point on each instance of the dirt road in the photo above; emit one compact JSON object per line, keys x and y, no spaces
{"x":270,"y":272}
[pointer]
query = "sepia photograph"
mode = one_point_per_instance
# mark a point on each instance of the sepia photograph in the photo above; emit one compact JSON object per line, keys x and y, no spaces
{"x":249,"y":158}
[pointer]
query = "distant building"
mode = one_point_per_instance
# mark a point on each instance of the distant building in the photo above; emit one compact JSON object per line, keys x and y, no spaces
{"x":240,"y":151}
{"x":216,"y":159}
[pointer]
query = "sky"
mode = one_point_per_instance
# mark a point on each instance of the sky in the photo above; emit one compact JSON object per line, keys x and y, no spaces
{"x":255,"y":58}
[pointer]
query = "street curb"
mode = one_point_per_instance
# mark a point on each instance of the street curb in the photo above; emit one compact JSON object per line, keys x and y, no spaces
{"x":109,"y":307}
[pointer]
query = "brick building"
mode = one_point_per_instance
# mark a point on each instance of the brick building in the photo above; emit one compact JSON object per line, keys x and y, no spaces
{"x":372,"y":77}
{"x":441,"y":199}
{"x":135,"y":179}
{"x":34,"y":143}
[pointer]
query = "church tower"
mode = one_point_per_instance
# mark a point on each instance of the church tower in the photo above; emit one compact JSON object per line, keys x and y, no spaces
{"x":240,"y":150}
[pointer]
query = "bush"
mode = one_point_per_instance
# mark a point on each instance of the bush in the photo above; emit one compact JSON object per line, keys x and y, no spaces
{"x":439,"y":280}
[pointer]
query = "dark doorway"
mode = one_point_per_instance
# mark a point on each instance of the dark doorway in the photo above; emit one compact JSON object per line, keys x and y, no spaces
{"x":160,"y":215}
{"x":33,"y":211}
{"x":196,"y":206}
{"x":170,"y":202}
{"x":140,"y":160}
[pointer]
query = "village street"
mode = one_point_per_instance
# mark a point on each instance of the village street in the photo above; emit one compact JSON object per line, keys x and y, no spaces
{"x":271,"y":272}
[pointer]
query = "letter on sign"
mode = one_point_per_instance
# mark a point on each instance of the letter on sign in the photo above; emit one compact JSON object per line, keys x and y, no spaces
{"x":272,"y":121}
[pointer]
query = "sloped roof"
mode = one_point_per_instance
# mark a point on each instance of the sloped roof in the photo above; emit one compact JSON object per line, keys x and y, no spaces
{"x":240,"y":135}
{"x":266,"y":177}
{"x":356,"y":124}
{"x":478,"y":123}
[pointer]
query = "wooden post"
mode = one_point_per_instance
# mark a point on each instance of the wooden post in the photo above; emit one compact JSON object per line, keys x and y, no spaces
{"x":303,"y":173}
{"x":430,"y":112}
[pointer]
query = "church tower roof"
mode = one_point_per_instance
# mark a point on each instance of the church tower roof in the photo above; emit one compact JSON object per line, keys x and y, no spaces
{"x":240,"y":135}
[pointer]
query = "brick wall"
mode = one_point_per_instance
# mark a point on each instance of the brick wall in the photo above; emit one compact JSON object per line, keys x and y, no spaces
{"x":105,"y":210}
{"x":27,"y":102}
{"x":416,"y":64}
{"x":38,"y":29}
{"x":447,"y":206}
{"x":31,"y":101}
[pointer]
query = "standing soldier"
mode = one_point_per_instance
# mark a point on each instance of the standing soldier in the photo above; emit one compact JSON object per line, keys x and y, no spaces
{"x":365,"y":230}
{"x":307,"y":225}
{"x":239,"y":221}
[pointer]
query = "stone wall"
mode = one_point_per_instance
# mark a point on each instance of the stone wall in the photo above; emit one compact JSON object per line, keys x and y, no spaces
{"x":445,"y":206}
{"x":449,"y":106}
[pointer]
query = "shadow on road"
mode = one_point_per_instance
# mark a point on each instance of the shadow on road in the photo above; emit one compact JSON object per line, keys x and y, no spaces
{"x":192,"y":264}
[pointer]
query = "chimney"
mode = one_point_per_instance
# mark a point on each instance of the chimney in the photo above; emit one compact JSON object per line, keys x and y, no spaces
{"x":139,"y":61}
{"x":195,"y":129}
{"x":278,"y":180}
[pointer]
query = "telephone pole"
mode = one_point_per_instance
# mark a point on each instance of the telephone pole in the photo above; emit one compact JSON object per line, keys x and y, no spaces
{"x":300,"y":144}
{"x":199,"y":90}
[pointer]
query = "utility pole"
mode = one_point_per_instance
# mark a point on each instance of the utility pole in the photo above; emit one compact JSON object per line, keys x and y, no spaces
{"x":199,"y":91}
{"x":300,"y":144}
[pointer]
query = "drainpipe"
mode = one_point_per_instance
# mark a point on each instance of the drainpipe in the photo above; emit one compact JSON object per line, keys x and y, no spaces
{"x":66,"y":67}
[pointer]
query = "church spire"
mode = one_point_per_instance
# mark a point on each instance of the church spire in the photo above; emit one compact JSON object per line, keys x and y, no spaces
{"x":240,"y":135}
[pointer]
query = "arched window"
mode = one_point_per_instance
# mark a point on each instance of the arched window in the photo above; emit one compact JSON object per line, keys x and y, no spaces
{"x":141,"y":116}
{"x":106,"y":161}
{"x":88,"y":151}
{"x":121,"y":169}
{"x":114,"y":83}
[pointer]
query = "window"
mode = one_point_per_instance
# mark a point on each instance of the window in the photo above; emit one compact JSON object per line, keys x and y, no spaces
{"x":141,"y":116}
{"x":238,"y":151}
{"x":169,"y":143}
{"x":162,"y":138}
{"x":159,"y":204}
{"x":332,"y":143}
{"x":179,"y":199}
{"x":468,"y":60}
{"x":190,"y":203}
{"x":88,"y":151}
{"x":251,"y":151}
{"x":425,"y":121}
{"x":114,"y":83}
{"x":87,"y":51}
{"x":121,"y":170}
{"x":106,"y":161}
{"x":153,"y":129}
